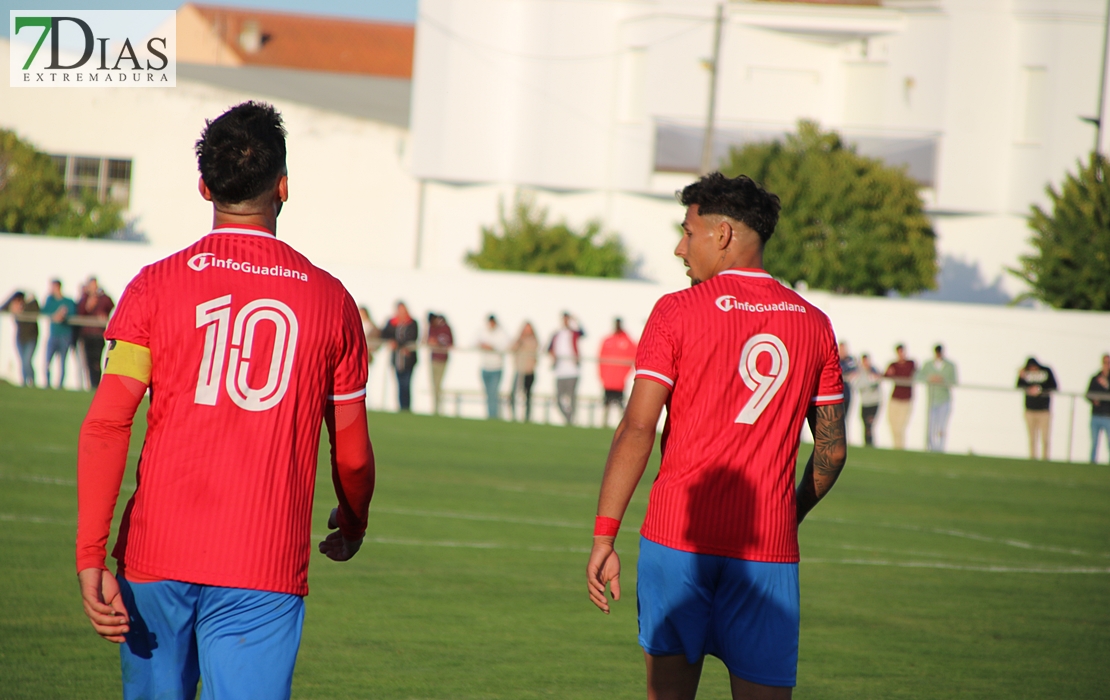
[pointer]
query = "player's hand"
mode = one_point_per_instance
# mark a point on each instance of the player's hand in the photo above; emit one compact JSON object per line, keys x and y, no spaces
{"x":603,"y":568}
{"x":103,"y":604}
{"x":335,"y":546}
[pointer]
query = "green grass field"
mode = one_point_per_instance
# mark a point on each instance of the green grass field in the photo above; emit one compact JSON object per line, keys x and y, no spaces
{"x":922,"y":576}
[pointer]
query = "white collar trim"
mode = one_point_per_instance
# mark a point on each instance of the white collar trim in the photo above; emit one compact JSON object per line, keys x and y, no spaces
{"x":241,"y":232}
{"x":747,"y":273}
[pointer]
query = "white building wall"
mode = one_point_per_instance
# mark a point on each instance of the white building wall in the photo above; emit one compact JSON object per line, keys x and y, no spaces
{"x":348,"y":177}
{"x":564,"y":96}
{"x":989,"y":344}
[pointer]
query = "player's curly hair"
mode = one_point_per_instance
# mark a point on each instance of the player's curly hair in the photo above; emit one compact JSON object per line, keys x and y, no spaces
{"x":739,"y":198}
{"x":241,"y":153}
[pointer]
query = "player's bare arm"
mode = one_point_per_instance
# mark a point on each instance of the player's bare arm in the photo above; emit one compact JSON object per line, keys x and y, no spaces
{"x":628,"y":457}
{"x":830,"y":450}
{"x":353,"y":474}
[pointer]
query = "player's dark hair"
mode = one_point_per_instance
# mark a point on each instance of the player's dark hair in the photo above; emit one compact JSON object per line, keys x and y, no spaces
{"x":241,"y":153}
{"x":739,"y":198}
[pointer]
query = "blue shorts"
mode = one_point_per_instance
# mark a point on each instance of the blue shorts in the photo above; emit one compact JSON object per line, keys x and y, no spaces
{"x":743,"y":612}
{"x":242,"y":643}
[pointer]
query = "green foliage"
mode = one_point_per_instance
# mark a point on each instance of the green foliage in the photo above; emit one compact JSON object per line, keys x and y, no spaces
{"x":849,"y":224}
{"x":32,"y":192}
{"x":1071,"y":266}
{"x":526,"y":242}
{"x":87,"y":218}
{"x":33,"y":197}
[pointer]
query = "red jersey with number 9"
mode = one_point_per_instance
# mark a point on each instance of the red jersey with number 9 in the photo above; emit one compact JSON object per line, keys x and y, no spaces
{"x":745,"y":358}
{"x":248,"y":342}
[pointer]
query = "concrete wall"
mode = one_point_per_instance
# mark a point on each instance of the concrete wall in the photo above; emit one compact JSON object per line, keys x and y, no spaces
{"x":989,"y":344}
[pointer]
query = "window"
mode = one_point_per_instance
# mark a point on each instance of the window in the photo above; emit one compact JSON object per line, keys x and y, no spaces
{"x":108,"y":179}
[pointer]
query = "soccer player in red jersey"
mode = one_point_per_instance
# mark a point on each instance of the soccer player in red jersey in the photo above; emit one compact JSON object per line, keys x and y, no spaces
{"x":739,"y":361}
{"x":245,"y":348}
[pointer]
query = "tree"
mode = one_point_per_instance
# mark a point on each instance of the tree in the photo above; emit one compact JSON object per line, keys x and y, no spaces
{"x":33,"y":197}
{"x":849,"y":224}
{"x":32,"y":192}
{"x":526,"y":242}
{"x":87,"y":218}
{"x":1071,"y":266}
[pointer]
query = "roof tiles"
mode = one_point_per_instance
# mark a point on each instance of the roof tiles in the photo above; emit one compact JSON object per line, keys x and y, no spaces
{"x":287,"y":40}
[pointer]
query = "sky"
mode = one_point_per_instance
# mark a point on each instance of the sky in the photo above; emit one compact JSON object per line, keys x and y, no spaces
{"x":384,"y":10}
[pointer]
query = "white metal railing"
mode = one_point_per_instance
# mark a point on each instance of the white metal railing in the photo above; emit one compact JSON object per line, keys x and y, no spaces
{"x":985,"y":420}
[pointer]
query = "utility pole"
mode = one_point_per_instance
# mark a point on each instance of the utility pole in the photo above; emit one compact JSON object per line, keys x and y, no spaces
{"x":707,"y":164}
{"x":1102,"y":137}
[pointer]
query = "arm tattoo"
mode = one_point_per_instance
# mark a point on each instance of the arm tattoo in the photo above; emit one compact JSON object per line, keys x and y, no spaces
{"x":829,"y":453}
{"x":829,"y":441}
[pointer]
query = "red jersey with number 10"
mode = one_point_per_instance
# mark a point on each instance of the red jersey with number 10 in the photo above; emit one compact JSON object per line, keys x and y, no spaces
{"x":745,"y":358}
{"x":248,"y":342}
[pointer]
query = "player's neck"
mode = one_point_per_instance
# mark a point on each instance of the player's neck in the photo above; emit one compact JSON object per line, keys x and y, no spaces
{"x":225,"y":218}
{"x":742,"y":259}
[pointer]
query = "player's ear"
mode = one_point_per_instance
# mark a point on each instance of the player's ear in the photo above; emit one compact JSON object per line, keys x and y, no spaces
{"x":724,"y":233}
{"x":203,"y":189}
{"x":282,"y":189}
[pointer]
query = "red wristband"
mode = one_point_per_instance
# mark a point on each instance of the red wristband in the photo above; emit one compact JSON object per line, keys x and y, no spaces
{"x":606,"y":527}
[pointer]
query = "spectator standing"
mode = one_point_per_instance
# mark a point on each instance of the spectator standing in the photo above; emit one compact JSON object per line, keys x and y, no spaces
{"x":901,"y":398}
{"x":95,"y":306}
{"x":617,"y":357}
{"x":867,"y":384}
{"x":59,"y":308}
{"x":525,"y":349}
{"x":1038,"y":382}
{"x":492,"y":343}
{"x":1098,"y":393}
{"x":403,"y":335}
{"x":848,"y":366}
{"x":563,"y":349}
{"x":440,"y":340}
{"x":939,"y":376}
{"x":25,"y":309}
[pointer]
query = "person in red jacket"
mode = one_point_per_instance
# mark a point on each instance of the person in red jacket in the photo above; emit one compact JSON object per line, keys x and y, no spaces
{"x":618,"y":355}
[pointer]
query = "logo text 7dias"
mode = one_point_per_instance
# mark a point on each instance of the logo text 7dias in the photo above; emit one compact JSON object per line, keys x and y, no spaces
{"x":92,"y":48}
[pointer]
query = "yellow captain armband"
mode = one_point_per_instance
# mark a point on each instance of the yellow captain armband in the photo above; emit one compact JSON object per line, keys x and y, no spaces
{"x":128,"y":360}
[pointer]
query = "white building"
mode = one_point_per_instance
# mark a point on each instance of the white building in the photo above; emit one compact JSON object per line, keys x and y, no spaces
{"x":353,"y":199}
{"x":599,"y":107}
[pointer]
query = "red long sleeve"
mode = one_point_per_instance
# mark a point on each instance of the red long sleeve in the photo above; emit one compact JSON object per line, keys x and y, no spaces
{"x":101,"y":460}
{"x":352,"y":465}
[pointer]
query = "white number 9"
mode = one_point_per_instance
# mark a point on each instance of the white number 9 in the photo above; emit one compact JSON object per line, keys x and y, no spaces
{"x":764,"y":387}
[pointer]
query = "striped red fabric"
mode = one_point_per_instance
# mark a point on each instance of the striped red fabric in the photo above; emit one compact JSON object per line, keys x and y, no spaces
{"x":249,"y":341}
{"x":745,"y":358}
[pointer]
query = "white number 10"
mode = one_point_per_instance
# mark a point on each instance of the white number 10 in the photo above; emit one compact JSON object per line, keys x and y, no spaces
{"x":215,"y":317}
{"x":764,"y":387}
